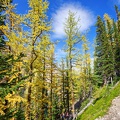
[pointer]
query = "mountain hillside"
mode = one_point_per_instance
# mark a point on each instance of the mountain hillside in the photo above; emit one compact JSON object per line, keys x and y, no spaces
{"x":114,"y":111}
{"x":106,"y":104}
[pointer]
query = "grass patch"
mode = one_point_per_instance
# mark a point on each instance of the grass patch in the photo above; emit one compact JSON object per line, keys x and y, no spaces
{"x":103,"y":98}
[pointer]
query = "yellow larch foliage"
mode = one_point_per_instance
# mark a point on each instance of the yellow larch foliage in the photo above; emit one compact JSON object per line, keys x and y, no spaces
{"x":13,"y":98}
{"x":107,"y":18}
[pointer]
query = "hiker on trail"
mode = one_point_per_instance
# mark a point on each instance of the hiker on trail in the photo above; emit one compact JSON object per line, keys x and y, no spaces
{"x":63,"y":116}
{"x":67,"y":116}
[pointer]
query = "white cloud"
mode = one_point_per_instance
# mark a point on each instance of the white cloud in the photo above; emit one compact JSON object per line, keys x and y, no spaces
{"x":60,"y":54}
{"x":86,"y":18}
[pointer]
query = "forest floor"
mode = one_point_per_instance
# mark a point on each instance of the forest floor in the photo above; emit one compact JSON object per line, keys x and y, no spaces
{"x":113,"y":112}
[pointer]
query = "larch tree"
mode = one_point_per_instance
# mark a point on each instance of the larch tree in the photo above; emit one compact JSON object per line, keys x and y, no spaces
{"x":73,"y":37}
{"x":36,"y":21}
{"x":11,"y":64}
{"x":86,"y":70}
{"x":83,"y":75}
{"x":52,"y":79}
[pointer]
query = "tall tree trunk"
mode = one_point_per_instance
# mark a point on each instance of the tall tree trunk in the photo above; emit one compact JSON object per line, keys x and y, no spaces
{"x":44,"y":91}
{"x":68,"y":92}
{"x":63,"y":81}
{"x":51,"y":90}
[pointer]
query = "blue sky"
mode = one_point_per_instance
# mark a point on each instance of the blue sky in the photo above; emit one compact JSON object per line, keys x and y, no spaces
{"x":87,"y":10}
